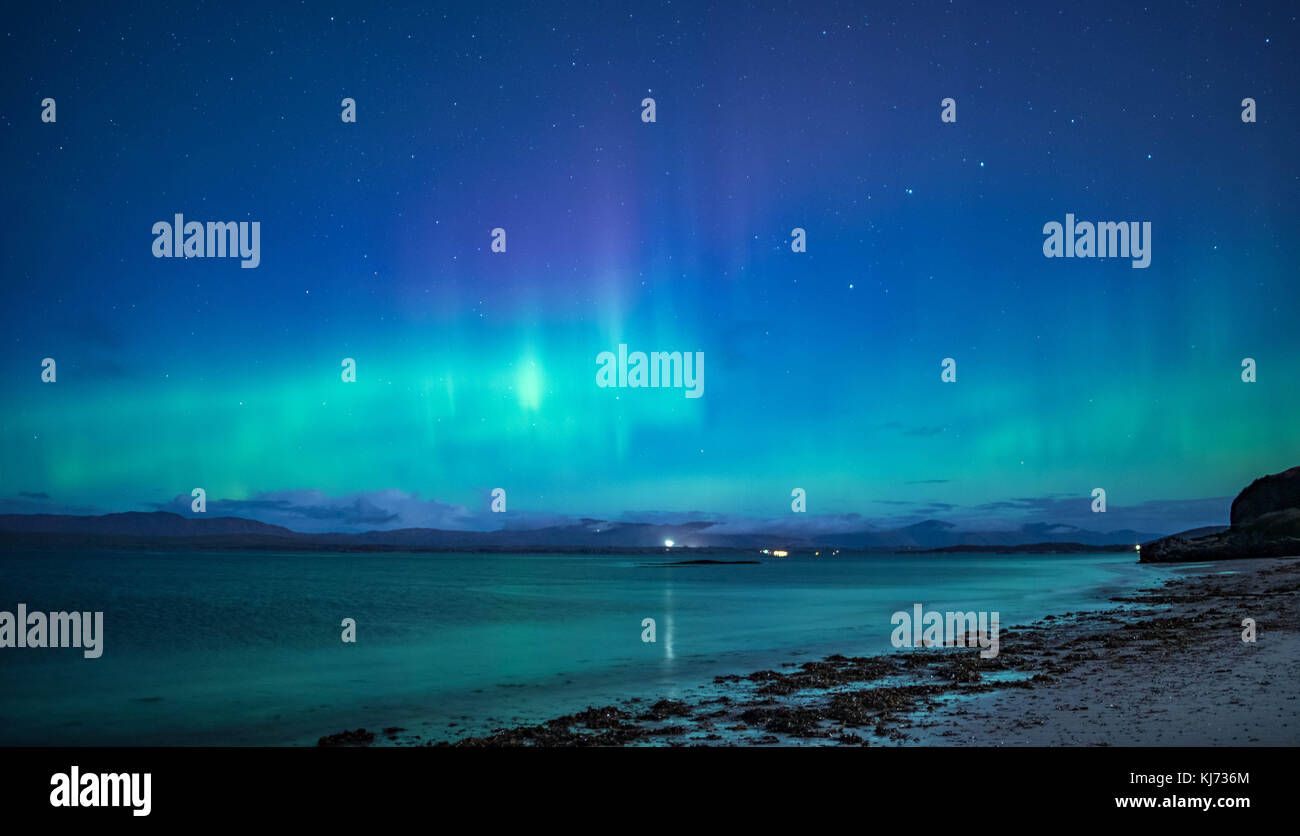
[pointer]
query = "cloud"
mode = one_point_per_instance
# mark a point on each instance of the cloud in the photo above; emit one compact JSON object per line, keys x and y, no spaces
{"x":38,"y":502}
{"x":670,"y":517}
{"x":314,"y":511}
{"x":794,"y":524}
{"x":1165,"y":516}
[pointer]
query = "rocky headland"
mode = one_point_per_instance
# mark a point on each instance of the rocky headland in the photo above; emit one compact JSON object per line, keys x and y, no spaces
{"x":1265,"y":522}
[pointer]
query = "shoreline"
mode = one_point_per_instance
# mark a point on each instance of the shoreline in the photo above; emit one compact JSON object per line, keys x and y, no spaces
{"x":1163,"y":666}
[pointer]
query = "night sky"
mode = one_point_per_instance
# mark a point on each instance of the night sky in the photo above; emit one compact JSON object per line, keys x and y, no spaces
{"x":476,"y":369}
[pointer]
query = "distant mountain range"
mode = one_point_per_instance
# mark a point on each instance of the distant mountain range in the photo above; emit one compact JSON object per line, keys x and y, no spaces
{"x":162,"y":529}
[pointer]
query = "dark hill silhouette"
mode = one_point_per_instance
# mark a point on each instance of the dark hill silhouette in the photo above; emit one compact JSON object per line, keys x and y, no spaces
{"x":139,"y":524}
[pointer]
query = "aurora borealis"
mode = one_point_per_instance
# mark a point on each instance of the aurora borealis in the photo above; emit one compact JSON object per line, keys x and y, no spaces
{"x":477,"y":369}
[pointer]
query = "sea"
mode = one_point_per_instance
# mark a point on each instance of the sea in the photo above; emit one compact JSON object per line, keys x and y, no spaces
{"x":243,"y":648}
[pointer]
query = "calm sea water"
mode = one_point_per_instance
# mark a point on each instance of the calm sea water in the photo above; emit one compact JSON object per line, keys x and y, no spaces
{"x":243,"y":649}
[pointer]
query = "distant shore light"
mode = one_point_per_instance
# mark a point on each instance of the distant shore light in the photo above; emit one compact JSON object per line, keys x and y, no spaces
{"x":668,"y":543}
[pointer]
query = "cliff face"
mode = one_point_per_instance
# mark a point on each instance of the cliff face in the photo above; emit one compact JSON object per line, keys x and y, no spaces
{"x":1265,"y":521}
{"x":1267,"y":495}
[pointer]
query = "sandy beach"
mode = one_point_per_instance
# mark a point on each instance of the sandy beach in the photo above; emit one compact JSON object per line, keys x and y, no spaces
{"x":1173,"y":672}
{"x":1164,"y":667}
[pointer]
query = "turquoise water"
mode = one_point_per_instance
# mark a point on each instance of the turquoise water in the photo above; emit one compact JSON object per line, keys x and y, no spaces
{"x":245,"y":648}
